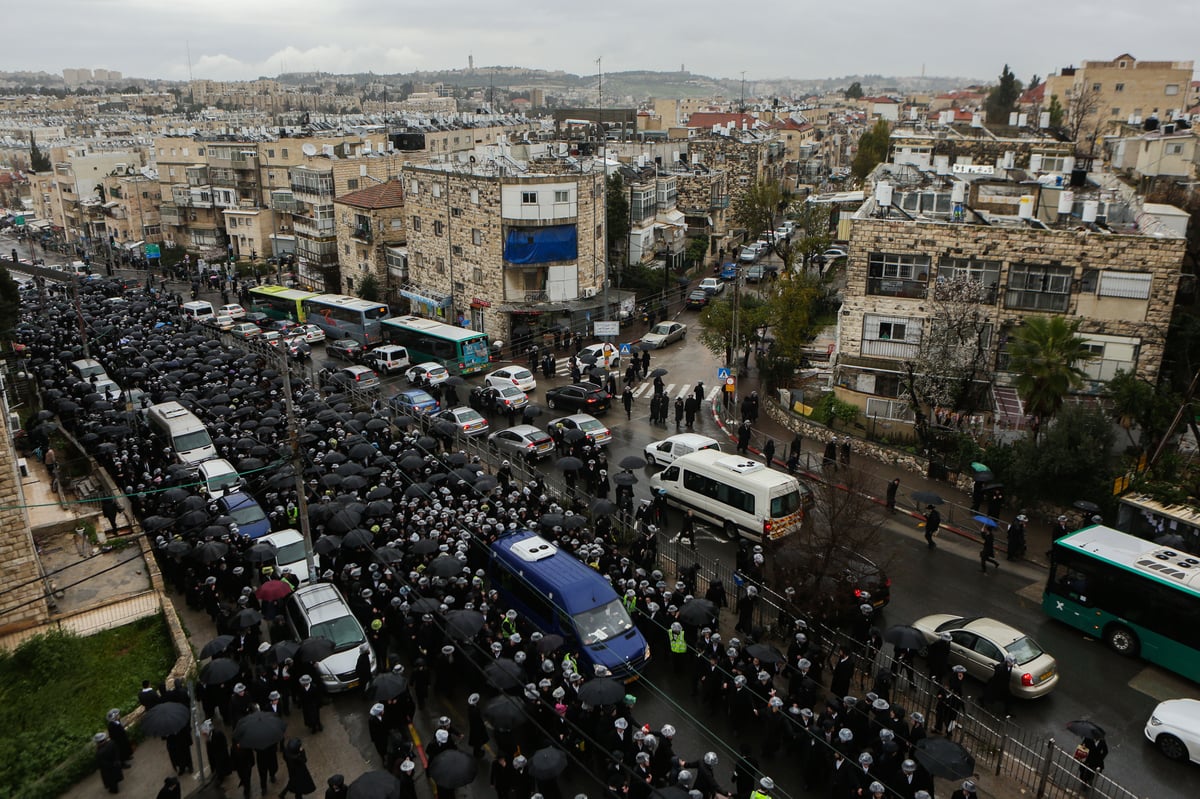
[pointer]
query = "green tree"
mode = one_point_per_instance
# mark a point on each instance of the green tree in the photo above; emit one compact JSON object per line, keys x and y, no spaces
{"x":717,"y":327}
{"x":813,"y":233}
{"x":1002,"y":99}
{"x":872,"y":149}
{"x":1140,"y":405}
{"x":38,"y":161}
{"x":1072,"y":461}
{"x":697,"y":249}
{"x":756,"y":208}
{"x":368,"y":289}
{"x":10,"y":302}
{"x":1045,"y":354}
{"x":1056,"y":111}
{"x":616,"y":208}
{"x":855,"y":91}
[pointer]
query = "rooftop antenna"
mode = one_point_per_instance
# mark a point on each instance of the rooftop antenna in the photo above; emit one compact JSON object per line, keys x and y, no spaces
{"x":191,"y":85}
{"x":743,"y":91}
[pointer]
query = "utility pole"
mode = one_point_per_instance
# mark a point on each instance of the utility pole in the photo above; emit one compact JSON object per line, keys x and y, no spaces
{"x":604,"y":156}
{"x":289,"y":410}
{"x":743,"y":109}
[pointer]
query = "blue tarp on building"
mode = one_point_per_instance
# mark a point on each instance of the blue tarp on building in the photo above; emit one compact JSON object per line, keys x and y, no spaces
{"x":541,"y":245}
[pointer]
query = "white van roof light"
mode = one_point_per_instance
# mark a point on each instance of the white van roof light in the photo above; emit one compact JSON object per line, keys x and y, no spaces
{"x":533,"y":549}
{"x":740,"y":465}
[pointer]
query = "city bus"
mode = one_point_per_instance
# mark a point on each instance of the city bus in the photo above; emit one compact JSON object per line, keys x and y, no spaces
{"x":461,"y":350}
{"x":341,"y":316}
{"x":560,"y":595}
{"x":280,"y":302}
{"x":1146,"y":517}
{"x":1139,"y":597}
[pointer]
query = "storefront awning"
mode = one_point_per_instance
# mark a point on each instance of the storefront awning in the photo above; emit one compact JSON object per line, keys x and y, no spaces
{"x":425,"y":296}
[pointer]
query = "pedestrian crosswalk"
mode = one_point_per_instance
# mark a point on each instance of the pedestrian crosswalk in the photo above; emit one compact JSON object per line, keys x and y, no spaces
{"x":562,"y":369}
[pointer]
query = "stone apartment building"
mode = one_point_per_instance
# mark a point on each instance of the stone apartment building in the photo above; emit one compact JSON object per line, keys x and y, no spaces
{"x":64,"y":194}
{"x":1126,"y":91}
{"x":1157,"y":157}
{"x":370,"y":227}
{"x":746,"y":157}
{"x":1038,"y":247}
{"x":130,"y":211}
{"x":508,"y":247}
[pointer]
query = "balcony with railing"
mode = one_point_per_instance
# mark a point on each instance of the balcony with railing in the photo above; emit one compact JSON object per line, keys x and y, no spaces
{"x":363,"y":233}
{"x":170,"y":214}
{"x":319,"y":253}
{"x":314,"y":228}
{"x":198,"y":175}
{"x":311,"y":185}
{"x":284,"y":202}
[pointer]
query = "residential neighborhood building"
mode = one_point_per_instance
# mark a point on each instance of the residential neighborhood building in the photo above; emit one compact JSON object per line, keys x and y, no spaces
{"x":1113,"y":92}
{"x":370,"y":229}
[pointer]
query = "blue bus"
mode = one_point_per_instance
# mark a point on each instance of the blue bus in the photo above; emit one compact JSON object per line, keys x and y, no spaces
{"x":559,"y":594}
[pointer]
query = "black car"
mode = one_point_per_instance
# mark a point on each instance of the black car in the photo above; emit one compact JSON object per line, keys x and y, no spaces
{"x":585,"y":397}
{"x":347,"y":349}
{"x":840,"y":580}
{"x":698,"y":299}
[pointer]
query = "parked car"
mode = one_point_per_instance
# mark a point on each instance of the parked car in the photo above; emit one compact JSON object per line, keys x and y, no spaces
{"x":512,"y":375}
{"x":592,"y":427}
{"x":713,"y":285}
{"x":272,"y":337}
{"x":357,"y":376}
{"x":218,"y":477}
{"x":298,"y":348}
{"x":833,"y":253}
{"x":347,"y":349}
{"x":1174,"y":727}
{"x":257,"y":317}
{"x":469,"y":421}
{"x":245,"y":330}
{"x":388,"y":358}
{"x":320,"y":611}
{"x":579,"y":397}
{"x":311,"y":333}
{"x":748,"y":255}
{"x":664,"y":333}
{"x":607,"y":355}
{"x":492,"y":399}
{"x":523,"y":441}
{"x":246,"y":512}
{"x":756,"y":273}
{"x":222,"y":322}
{"x":428,"y":373}
{"x":729,"y":270}
{"x":663,"y":452}
{"x":413,"y":401}
{"x":698,"y":299}
{"x":979,"y":643}
{"x":232,"y":309}
{"x":290,"y":555}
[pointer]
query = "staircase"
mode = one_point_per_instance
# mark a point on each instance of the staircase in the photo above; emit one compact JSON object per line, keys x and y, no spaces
{"x":1010,"y":411}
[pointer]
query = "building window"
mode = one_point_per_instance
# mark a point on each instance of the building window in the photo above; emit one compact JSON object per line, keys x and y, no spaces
{"x":284,"y":152}
{"x":1033,"y":287}
{"x":1175,"y":149}
{"x":562,"y":196}
{"x":439,"y":227}
{"x":1121,"y":64}
{"x":599,"y":231}
{"x":437,"y":190}
{"x":414,"y":188}
{"x":476,"y":236}
{"x":477,"y":275}
{"x":456,"y":212}
{"x":352,"y":184}
{"x":896,"y":275}
{"x":416,"y":223}
{"x":1125,"y":285}
{"x":455,"y":250}
{"x":1095,"y":87}
{"x":1171,"y":89}
{"x":986,"y":273}
{"x":890,"y":336}
{"x":270,"y":153}
{"x":529,"y":198}
{"x":440,"y":265}
{"x":1120,"y":87}
{"x":1116,"y":111}
{"x":474,"y":196}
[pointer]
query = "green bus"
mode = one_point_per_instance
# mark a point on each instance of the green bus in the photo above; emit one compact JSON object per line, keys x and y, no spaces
{"x":1139,"y":597}
{"x":280,"y":302}
{"x":461,"y":350}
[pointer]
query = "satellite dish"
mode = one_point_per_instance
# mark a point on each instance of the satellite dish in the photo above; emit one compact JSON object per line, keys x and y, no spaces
{"x":309,"y":149}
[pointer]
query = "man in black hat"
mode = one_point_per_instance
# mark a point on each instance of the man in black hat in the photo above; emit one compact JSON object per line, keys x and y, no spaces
{"x":933,"y":520}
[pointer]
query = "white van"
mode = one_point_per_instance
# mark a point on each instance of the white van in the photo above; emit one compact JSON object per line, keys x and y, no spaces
{"x":663,"y":453}
{"x":198,"y":310}
{"x":389,"y":358}
{"x":741,"y":496}
{"x":183,"y":432}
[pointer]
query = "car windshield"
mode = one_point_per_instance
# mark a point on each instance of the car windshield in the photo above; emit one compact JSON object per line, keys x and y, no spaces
{"x":468,"y":415}
{"x":197,"y":439}
{"x":290,"y":553}
{"x":602,"y":623}
{"x":521,"y":374}
{"x":1024,"y":649}
{"x":509,"y":391}
{"x":591,"y":425}
{"x":219,"y":482}
{"x":344,"y":632}
{"x":437,"y":371}
{"x":248,"y":513}
{"x":785,"y":505}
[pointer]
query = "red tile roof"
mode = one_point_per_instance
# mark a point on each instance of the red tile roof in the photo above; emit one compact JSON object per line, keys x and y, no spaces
{"x":381,"y":195}
{"x":706,"y":119}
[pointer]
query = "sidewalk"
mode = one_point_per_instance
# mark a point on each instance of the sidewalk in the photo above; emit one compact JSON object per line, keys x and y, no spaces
{"x":956,"y":513}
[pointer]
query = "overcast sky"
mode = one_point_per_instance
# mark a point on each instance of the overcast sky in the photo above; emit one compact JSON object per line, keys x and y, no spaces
{"x":244,"y":39}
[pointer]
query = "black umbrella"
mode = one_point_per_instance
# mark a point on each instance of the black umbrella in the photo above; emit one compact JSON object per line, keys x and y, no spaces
{"x":426,"y":546}
{"x":505,"y":675}
{"x":327,"y":544}
{"x":531,"y":412}
{"x":155,"y":523}
{"x":505,"y":713}
{"x":625,"y":479}
{"x":603,"y":507}
{"x":944,"y":758}
{"x":165,"y":719}
{"x":216,"y":646}
{"x":452,"y":769}
{"x":698,"y":612}
{"x":210,"y":551}
{"x":902,"y":636}
{"x":1087,"y":729}
{"x":358,"y":537}
{"x":379,"y":493}
{"x":375,"y":785}
{"x":388,"y":686}
{"x":658,"y":372}
{"x":445,"y":566}
{"x":463,"y":624}
{"x":547,"y":763}
{"x":765,"y":653}
{"x":568,"y":463}
{"x":313,"y":649}
{"x":486,"y":483}
{"x":246,"y":618}
{"x":984,"y":477}
{"x":1084,"y":505}
{"x":261,"y":552}
{"x":632,"y":462}
{"x":426,"y":604}
{"x":259,"y":730}
{"x":927,"y":498}
{"x":388,"y":554}
{"x":178,"y":548}
{"x":551,"y":520}
{"x":283,"y":650}
{"x":549,"y":643}
{"x":219,"y":670}
{"x":602,"y":691}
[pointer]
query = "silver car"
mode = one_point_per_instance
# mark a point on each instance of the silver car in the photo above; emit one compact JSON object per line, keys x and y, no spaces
{"x":979,"y":643}
{"x":523,"y":441}
{"x":664,"y":333}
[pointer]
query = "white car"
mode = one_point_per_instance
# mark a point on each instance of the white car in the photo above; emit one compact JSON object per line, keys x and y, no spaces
{"x":513,"y":375}
{"x":1174,"y":727}
{"x":592,"y":427}
{"x":661,"y":453}
{"x":311,"y":333}
{"x":664,"y":333}
{"x":222,"y":322}
{"x":833,"y":253}
{"x":712,"y":285}
{"x":233,"y":309}
{"x":388,"y":358}
{"x":289,"y":553}
{"x":430,"y":372}
{"x":218,"y":478}
{"x":607,"y":355}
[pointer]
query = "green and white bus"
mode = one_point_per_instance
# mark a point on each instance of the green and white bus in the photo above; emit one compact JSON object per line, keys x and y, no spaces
{"x":461,"y":350}
{"x":1139,"y":597}
{"x":280,"y":302}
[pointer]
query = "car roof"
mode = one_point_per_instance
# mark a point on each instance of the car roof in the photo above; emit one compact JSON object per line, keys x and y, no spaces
{"x":413,"y":392}
{"x":357,"y":368}
{"x":690,"y":438}
{"x":283,"y":537}
{"x":235,"y":499}
{"x":208,"y":466}
{"x":322,"y":602}
{"x":525,"y":430}
{"x":429,"y":365}
{"x":579,"y":417}
{"x":993,"y":628}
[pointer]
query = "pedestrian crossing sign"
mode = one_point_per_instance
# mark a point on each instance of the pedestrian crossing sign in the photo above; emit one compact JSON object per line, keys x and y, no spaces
{"x":722,"y":372}
{"x":625,"y":349}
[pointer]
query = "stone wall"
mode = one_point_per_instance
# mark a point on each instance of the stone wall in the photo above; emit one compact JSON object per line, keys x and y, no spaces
{"x":23,"y":601}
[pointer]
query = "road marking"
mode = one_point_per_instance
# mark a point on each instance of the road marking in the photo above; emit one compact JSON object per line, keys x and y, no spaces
{"x":712,"y":395}
{"x":667,"y":389}
{"x":683,"y":392}
{"x":637,"y":392}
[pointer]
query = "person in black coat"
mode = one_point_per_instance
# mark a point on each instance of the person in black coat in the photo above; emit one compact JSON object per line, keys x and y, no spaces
{"x":267,"y":762}
{"x":170,"y":789}
{"x":746,"y":773}
{"x":768,"y":452}
{"x":937,"y":657}
{"x":216,"y":746}
{"x":477,"y":733}
{"x":309,"y":699}
{"x":300,"y":780}
{"x":743,"y":441}
{"x":843,"y":673}
{"x":378,"y":729}
{"x":337,"y":787}
{"x":892,"y":488}
{"x":108,"y":760}
{"x":120,"y":737}
{"x":179,"y":750}
{"x":243,"y":763}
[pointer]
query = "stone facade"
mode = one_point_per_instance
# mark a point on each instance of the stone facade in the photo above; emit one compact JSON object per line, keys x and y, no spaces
{"x":457,"y":222}
{"x":1126,"y":90}
{"x":367,"y":222}
{"x":23,"y":602}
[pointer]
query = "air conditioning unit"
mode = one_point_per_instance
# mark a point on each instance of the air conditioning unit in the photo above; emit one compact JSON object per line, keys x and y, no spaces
{"x":589,"y":292}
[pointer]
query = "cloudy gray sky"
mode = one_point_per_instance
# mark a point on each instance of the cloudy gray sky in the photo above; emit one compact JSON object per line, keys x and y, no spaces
{"x":242,"y":39}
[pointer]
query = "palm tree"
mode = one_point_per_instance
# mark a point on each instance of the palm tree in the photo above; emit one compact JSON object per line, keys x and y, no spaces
{"x":1046,"y":353}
